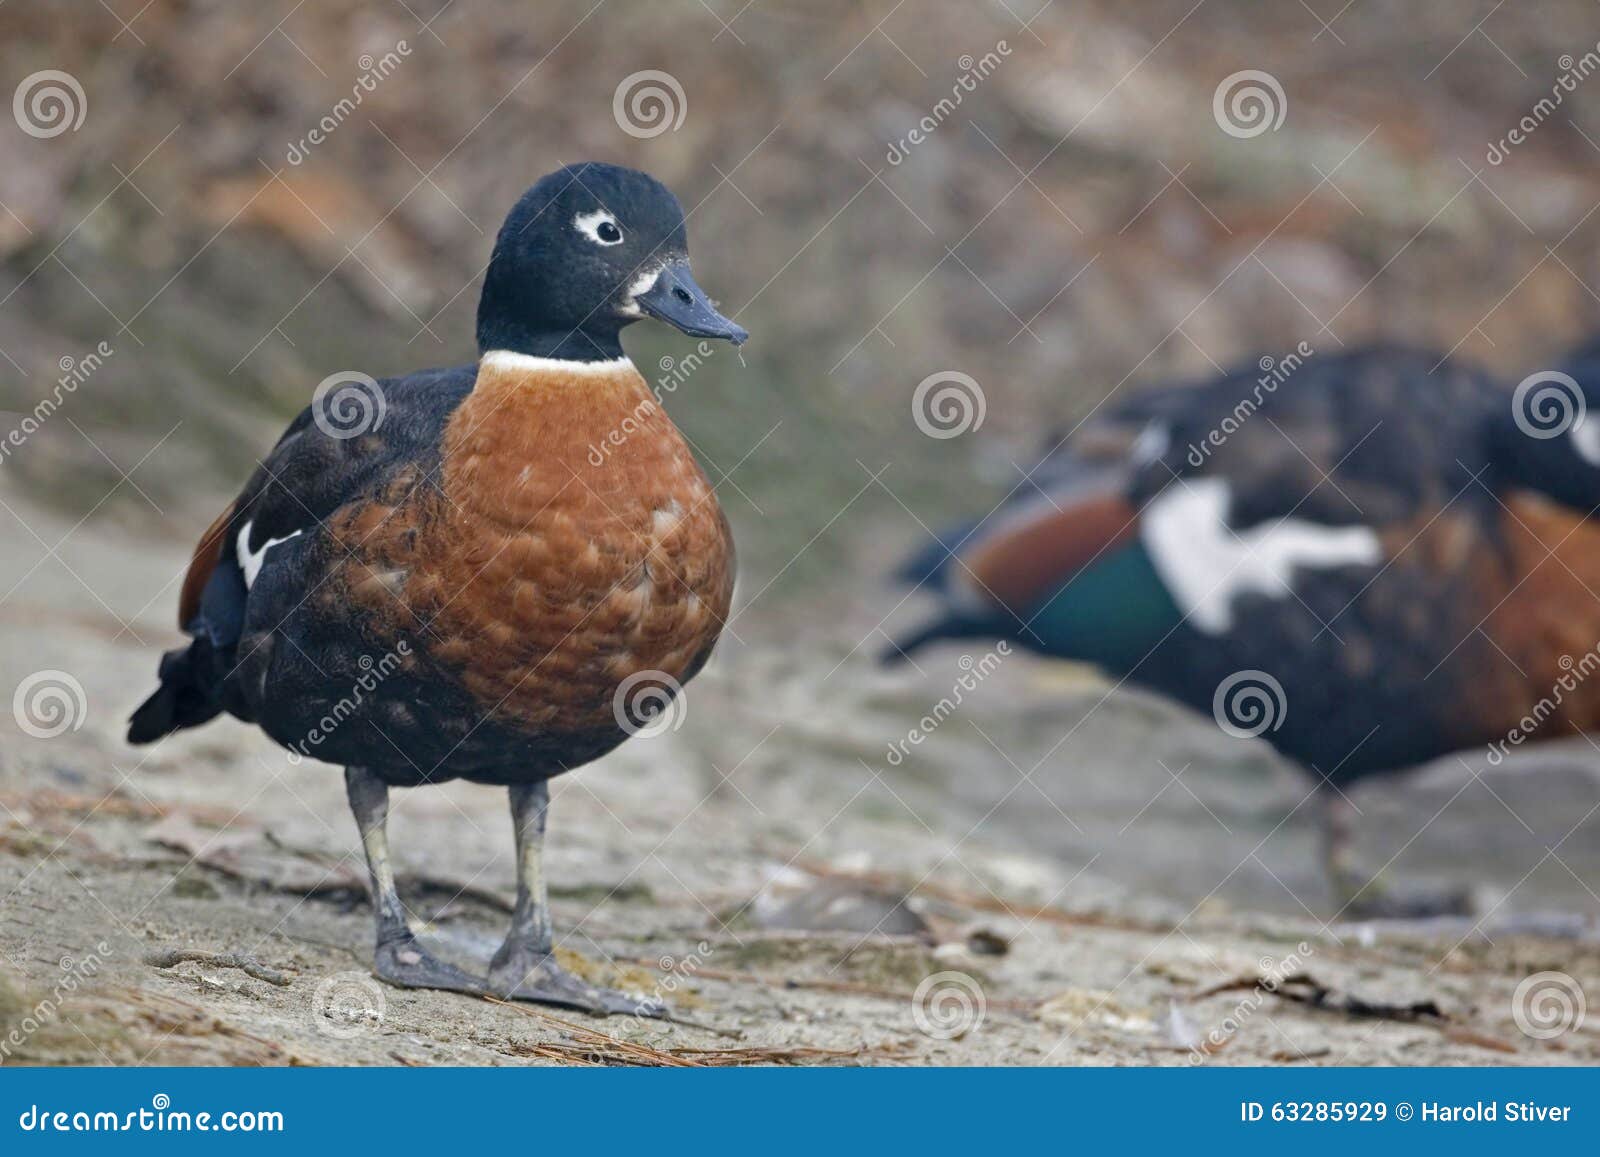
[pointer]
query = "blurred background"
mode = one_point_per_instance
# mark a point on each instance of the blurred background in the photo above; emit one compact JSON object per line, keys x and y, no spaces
{"x":1038,"y":195}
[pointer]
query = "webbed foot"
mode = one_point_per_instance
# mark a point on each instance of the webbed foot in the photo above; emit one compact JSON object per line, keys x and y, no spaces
{"x":543,"y":981}
{"x":404,"y":963}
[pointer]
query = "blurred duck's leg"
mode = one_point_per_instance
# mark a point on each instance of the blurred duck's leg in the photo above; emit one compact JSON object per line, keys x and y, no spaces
{"x":1359,"y":895}
{"x":1338,"y":816}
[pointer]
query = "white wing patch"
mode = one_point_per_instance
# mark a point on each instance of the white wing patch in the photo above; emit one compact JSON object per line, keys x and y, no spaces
{"x":1206,"y":565}
{"x":250,"y":561}
{"x":1585,"y":435}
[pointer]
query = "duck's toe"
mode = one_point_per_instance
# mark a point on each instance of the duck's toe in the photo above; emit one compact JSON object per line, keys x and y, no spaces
{"x":1381,"y":900}
{"x":406,"y":964}
{"x":546,"y":982}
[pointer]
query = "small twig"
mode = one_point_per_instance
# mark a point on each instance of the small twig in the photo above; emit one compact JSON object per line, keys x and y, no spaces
{"x":1302,"y":989}
{"x":246,"y":964}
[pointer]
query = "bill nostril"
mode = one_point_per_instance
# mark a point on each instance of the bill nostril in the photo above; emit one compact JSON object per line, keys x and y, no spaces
{"x":682,"y":294}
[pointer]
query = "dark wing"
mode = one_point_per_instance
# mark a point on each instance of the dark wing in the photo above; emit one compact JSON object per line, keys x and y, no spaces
{"x":337,"y":451}
{"x":1368,"y":437}
{"x":316,"y":467}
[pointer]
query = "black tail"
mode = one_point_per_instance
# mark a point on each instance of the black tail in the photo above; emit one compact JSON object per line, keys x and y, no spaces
{"x":949,"y":626}
{"x":181,"y":700}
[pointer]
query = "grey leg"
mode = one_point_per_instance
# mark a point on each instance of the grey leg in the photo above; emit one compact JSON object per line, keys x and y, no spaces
{"x":1343,"y":877}
{"x":525,"y":967}
{"x":399,"y":959}
{"x":1360,"y":897}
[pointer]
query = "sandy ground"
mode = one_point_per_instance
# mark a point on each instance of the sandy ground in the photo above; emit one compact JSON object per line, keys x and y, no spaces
{"x":1064,"y":882}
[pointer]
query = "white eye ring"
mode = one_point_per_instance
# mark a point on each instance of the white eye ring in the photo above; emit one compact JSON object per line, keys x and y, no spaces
{"x":592,"y":225}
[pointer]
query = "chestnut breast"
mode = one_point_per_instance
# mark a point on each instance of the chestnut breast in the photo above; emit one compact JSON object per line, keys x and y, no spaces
{"x":1546,"y":622}
{"x":571,"y":540}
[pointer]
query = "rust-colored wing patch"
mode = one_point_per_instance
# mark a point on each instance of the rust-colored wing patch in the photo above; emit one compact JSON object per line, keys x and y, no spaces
{"x":206,"y":555}
{"x":1028,"y":559}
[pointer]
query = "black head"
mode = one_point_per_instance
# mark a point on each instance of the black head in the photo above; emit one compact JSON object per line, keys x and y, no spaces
{"x":586,"y":251}
{"x":1548,"y":434}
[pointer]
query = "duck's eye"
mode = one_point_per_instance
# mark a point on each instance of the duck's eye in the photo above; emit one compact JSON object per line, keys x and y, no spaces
{"x":600,"y":227}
